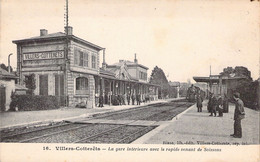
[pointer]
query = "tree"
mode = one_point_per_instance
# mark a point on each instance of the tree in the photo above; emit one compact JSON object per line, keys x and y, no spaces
{"x":158,"y":77}
{"x":239,"y":71}
{"x":246,"y":87}
{"x":30,"y":83}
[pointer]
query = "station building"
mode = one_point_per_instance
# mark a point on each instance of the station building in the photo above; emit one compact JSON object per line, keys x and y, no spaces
{"x":68,"y":67}
{"x":220,"y":85}
{"x":126,"y":77}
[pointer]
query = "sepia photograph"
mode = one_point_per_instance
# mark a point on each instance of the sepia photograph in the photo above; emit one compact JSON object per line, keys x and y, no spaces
{"x":129,"y":80}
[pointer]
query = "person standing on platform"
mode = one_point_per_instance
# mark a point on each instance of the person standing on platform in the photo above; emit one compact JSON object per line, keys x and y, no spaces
{"x":101,"y":100}
{"x":199,"y":102}
{"x":138,"y":99}
{"x":119,"y":98}
{"x":128,"y":98}
{"x":213,"y":105}
{"x":238,"y":116}
{"x":209,"y":102}
{"x":133,"y":99}
{"x":220,"y":106}
{"x":123,"y":99}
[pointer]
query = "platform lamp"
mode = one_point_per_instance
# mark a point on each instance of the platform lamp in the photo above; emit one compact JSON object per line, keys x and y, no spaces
{"x":9,"y":69}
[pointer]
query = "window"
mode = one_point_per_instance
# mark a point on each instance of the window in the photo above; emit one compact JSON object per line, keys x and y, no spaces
{"x":85,"y":59}
{"x":82,"y":85}
{"x":81,"y":58}
{"x":93,"y":61}
{"x":76,"y":56}
{"x":142,"y":75}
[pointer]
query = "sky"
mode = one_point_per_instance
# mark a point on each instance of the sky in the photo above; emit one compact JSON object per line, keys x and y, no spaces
{"x":183,"y":37}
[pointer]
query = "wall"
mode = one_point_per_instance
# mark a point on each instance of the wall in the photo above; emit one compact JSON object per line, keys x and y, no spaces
{"x":140,"y":69}
{"x":10,"y":86}
{"x":42,"y":65}
{"x":132,"y":71}
{"x":75,"y":99}
{"x":29,"y":64}
{"x":90,"y":51}
{"x":51,"y":80}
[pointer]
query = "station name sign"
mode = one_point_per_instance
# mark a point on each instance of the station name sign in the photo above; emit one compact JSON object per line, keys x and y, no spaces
{"x":43,"y":55}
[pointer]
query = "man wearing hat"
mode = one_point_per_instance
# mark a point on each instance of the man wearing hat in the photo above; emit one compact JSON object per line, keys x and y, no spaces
{"x":238,"y":116}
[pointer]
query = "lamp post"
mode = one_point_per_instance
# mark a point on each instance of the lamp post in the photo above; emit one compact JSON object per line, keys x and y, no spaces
{"x":9,"y":69}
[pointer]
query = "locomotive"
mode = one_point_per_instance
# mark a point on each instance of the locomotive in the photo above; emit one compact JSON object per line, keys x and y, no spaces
{"x":192,"y":92}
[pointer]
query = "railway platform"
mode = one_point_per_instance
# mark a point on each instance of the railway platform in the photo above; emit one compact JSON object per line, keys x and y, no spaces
{"x":192,"y":127}
{"x":29,"y":118}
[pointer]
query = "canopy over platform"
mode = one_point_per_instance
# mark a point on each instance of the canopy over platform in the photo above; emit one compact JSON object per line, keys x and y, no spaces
{"x":216,"y":79}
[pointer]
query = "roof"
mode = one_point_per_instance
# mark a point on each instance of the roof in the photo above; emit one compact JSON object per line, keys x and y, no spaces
{"x":110,"y":74}
{"x":55,"y":36}
{"x":128,"y":63}
{"x":106,"y":74}
{"x":215,"y":78}
{"x":174,"y":84}
{"x":6,"y":75}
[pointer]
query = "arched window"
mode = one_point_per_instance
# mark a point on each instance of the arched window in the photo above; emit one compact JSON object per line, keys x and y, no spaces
{"x":82,"y":85}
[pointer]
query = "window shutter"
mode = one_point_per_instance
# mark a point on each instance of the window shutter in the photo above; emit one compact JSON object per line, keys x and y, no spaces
{"x":81,"y":58}
{"x":86,"y":59}
{"x":76,"y":57}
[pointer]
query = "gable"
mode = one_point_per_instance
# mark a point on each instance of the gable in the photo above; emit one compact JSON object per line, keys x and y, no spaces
{"x":122,"y":73}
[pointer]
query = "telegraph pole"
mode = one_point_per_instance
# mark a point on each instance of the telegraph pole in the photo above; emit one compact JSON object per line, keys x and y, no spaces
{"x":210,"y":78}
{"x":66,"y":60}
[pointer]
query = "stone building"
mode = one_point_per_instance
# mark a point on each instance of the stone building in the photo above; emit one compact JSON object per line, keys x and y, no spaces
{"x":176,"y":85}
{"x":7,"y":86}
{"x":126,"y":77}
{"x":68,"y":67}
{"x":64,"y":66}
{"x":220,"y":85}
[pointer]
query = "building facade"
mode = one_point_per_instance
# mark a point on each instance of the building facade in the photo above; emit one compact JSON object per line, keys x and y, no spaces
{"x":7,"y":86}
{"x":64,"y":66}
{"x":68,"y":67}
{"x":220,"y":85}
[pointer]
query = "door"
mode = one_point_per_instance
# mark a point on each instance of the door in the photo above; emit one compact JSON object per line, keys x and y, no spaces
{"x":59,"y":89}
{"x":43,"y":85}
{"x":2,"y":98}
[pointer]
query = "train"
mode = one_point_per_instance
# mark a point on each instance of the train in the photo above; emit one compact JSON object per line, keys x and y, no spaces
{"x":193,"y":91}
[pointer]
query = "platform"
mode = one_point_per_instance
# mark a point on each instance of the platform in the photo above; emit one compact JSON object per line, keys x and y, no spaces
{"x":193,"y":127}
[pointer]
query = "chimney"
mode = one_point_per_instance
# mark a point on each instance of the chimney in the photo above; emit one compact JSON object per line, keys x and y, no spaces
{"x":135,"y":59}
{"x":69,"y":30}
{"x":43,"y":32}
{"x":104,"y":65}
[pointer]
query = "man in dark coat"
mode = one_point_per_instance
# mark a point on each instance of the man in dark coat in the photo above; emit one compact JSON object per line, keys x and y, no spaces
{"x":138,"y":99}
{"x":119,"y":98}
{"x":133,"y":99}
{"x":101,"y":100}
{"x":199,"y":103}
{"x":238,"y":116}
{"x":213,"y":105}
{"x":220,"y":106}
{"x":209,"y":102}
{"x":128,"y":98}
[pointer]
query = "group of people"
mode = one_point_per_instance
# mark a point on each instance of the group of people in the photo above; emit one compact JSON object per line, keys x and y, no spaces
{"x":120,"y":99}
{"x":217,"y":104}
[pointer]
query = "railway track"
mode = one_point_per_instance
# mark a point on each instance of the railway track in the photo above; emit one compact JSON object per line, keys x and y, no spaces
{"x":98,"y":133}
